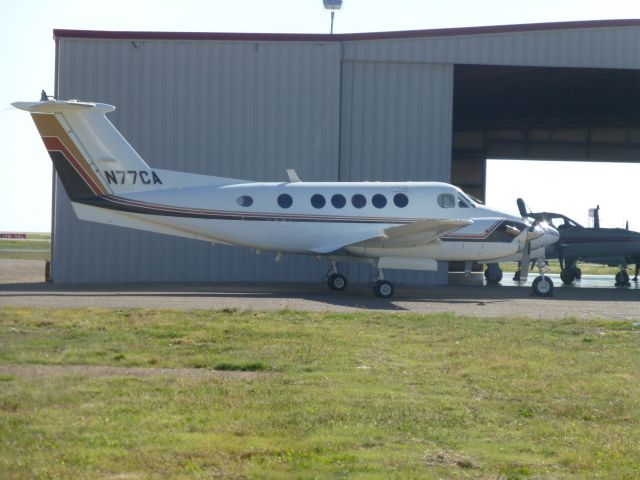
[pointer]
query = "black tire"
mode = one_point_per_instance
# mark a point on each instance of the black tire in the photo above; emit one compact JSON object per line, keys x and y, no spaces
{"x":383,"y":289}
{"x":568,"y":275}
{"x":542,"y":286}
{"x":493,"y":276}
{"x":578,"y":273}
{"x":622,"y":279}
{"x":516,"y":276}
{"x":337,"y":281}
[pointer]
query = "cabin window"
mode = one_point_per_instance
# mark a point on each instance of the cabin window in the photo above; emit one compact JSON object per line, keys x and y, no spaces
{"x":245,"y":201}
{"x":358,"y":200}
{"x":318,"y":201}
{"x":379,"y":201}
{"x":446,"y":200}
{"x":285,"y":200}
{"x":400,"y":200}
{"x":338,"y":201}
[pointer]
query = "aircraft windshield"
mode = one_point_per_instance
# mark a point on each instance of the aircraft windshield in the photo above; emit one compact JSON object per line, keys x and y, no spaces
{"x":560,"y":222}
{"x":465,"y":201}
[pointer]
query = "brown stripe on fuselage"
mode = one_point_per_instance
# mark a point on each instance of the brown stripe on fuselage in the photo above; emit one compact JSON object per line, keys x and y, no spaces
{"x":54,"y":144}
{"x":49,"y":126}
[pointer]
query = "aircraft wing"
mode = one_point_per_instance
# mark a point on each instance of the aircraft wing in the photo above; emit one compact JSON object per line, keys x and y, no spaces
{"x":417,"y":233}
{"x":407,"y":235}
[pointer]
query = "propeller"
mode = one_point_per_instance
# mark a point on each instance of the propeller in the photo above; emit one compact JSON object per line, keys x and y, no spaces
{"x":522,"y":208}
{"x":526,"y":251}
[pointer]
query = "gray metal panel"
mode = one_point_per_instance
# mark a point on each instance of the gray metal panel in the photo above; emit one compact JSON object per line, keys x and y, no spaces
{"x":238,"y":109}
{"x":611,"y":47}
{"x":396,"y":126}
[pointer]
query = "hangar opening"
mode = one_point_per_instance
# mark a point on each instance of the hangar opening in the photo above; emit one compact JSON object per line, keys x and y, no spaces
{"x":541,"y":113}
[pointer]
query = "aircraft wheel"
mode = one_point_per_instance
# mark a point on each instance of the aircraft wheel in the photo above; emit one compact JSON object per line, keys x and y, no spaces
{"x":516,"y":276}
{"x":383,"y":289}
{"x":542,"y":286}
{"x":622,"y":279}
{"x":337,"y":281}
{"x":568,"y":275}
{"x":493,"y":275}
{"x":578,"y":273}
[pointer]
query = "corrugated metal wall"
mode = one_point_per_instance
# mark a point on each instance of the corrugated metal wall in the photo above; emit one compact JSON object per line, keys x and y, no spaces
{"x":396,"y":125}
{"x":239,"y":109}
{"x":605,"y":47}
{"x":351,"y":110}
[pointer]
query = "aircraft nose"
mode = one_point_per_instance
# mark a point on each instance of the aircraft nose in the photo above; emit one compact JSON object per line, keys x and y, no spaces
{"x":550,"y":234}
{"x":535,"y":232}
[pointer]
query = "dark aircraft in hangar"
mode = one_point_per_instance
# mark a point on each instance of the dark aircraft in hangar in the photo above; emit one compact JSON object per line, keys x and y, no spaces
{"x":609,"y":246}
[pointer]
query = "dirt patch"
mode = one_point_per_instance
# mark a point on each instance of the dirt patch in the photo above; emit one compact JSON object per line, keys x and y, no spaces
{"x":21,"y":271}
{"x":441,"y":458}
{"x":39,"y":371}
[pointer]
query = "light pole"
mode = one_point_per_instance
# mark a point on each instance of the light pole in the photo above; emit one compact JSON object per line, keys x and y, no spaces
{"x":332,"y":5}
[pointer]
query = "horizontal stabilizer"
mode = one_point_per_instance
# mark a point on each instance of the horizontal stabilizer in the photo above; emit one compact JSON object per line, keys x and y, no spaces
{"x":55,"y":106}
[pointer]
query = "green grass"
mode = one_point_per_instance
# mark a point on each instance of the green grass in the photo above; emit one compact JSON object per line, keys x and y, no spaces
{"x":37,"y":246}
{"x":368,"y":395}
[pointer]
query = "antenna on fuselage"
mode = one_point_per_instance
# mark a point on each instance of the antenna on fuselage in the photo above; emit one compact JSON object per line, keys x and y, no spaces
{"x":44,"y":97}
{"x":293,"y":176}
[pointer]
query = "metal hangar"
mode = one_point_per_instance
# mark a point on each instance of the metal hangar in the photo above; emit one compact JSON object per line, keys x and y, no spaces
{"x":411,"y":105}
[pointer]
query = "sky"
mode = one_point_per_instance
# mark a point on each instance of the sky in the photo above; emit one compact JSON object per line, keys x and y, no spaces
{"x":27,"y":57}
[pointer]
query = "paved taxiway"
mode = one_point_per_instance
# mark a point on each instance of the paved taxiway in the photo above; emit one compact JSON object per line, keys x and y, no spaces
{"x":593,"y":297}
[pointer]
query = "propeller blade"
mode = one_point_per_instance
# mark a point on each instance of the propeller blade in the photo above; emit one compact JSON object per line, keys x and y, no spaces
{"x":524,"y":263}
{"x":522,"y":208}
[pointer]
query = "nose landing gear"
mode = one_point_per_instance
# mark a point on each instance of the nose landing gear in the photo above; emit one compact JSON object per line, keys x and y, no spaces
{"x":542,"y":285}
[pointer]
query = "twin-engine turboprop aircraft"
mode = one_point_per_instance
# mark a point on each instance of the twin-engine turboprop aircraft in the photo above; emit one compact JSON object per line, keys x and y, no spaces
{"x":392,"y":225}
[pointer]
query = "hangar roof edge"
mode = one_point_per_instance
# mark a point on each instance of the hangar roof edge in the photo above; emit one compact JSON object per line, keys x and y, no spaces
{"x":440,"y":32}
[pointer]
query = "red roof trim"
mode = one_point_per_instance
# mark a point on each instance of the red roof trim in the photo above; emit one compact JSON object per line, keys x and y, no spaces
{"x":288,"y":37}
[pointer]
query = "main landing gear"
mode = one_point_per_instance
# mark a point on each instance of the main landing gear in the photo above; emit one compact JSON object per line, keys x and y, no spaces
{"x":622,"y":277}
{"x":337,"y":281}
{"x":493,"y":273}
{"x":381,"y":288}
{"x":570,"y":272}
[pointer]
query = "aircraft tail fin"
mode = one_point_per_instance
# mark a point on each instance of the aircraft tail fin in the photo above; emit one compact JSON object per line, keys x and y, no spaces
{"x":89,"y":154}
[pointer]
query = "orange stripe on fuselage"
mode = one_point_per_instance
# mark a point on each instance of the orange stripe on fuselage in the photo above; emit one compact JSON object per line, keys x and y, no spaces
{"x":56,"y":138}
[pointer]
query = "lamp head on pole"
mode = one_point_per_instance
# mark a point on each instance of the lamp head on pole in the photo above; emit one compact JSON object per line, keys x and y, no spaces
{"x":332,"y":4}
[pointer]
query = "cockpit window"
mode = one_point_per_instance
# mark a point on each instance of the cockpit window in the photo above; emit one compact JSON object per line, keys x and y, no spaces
{"x":462,"y":202}
{"x":446,"y":200}
{"x":561,"y":222}
{"x":463,"y":197}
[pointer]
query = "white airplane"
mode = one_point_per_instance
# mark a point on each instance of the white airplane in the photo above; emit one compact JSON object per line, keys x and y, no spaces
{"x":391,"y":225}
